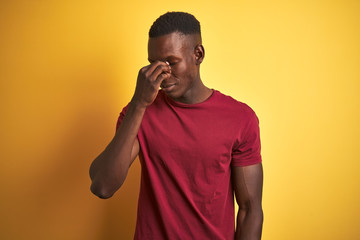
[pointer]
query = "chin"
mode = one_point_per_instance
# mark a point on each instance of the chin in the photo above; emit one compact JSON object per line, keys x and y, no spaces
{"x":175,"y":94}
{"x":172,"y":94}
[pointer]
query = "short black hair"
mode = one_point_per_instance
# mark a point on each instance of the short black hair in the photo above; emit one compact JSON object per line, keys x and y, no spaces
{"x":170,"y":22}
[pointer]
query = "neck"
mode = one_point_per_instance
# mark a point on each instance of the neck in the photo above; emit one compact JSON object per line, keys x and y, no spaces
{"x":196,"y":94}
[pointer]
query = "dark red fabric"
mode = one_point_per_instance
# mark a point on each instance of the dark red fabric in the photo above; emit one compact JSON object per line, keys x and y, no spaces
{"x":187,"y":151}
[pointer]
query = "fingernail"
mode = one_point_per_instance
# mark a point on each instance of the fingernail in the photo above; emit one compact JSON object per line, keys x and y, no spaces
{"x":167,"y":63}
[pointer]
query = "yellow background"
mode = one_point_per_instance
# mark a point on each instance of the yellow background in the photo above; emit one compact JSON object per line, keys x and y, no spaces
{"x":68,"y":67}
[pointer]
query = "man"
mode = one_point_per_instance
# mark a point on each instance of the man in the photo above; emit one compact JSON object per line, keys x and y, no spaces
{"x":197,"y":146}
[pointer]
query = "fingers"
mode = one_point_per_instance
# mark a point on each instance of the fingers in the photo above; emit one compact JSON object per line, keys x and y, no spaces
{"x":161,"y":78}
{"x":153,"y":66}
{"x":149,"y":81}
{"x":160,"y":73}
{"x":156,"y":70}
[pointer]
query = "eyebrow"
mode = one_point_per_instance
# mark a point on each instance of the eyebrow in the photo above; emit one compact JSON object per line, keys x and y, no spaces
{"x":169,"y":57}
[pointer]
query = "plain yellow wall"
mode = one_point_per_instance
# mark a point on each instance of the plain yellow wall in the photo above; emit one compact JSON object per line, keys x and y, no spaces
{"x":68,"y":67}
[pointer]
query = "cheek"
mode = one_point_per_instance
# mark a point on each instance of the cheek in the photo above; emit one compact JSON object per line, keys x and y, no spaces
{"x":177,"y":70}
{"x":181,"y":71}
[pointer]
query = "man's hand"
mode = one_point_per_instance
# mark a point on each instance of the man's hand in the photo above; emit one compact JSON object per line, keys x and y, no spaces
{"x":148,"y":82}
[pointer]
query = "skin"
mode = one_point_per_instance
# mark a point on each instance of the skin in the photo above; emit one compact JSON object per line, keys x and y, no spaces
{"x":175,"y":67}
{"x":247,"y":183}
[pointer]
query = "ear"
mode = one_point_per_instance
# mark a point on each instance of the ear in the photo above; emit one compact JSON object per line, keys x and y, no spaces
{"x":199,"y":53}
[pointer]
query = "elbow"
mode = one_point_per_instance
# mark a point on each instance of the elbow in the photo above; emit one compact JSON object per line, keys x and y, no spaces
{"x":101,"y":191}
{"x":251,"y":206}
{"x":245,"y":205}
{"x":252,"y":212}
{"x":105,"y":187}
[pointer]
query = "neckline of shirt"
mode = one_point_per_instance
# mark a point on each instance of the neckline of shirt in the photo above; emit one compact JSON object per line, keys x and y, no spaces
{"x":186,"y":105}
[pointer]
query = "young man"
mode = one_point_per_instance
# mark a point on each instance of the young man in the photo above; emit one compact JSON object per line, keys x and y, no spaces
{"x":197,"y":146}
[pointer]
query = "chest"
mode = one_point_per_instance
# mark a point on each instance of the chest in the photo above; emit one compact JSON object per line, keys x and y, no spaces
{"x":200,"y":138}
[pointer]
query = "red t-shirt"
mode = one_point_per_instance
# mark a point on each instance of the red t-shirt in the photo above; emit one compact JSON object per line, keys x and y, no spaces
{"x":186,"y":155}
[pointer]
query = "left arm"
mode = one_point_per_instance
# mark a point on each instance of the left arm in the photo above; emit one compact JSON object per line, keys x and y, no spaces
{"x":248,"y":182}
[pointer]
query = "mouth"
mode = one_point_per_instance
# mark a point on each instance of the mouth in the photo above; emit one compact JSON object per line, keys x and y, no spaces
{"x":168,"y":86}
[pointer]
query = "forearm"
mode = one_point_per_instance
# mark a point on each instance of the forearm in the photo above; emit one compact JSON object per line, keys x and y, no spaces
{"x":249,"y":224}
{"x":108,"y":171}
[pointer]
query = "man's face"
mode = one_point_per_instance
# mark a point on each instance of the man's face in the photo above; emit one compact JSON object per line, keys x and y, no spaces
{"x":178,"y":50}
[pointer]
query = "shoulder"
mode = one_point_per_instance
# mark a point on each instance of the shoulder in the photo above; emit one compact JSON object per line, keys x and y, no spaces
{"x":236,"y":107}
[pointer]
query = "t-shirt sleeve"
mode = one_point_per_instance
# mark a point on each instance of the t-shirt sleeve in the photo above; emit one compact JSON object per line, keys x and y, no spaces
{"x":121,"y":117}
{"x":247,"y":149}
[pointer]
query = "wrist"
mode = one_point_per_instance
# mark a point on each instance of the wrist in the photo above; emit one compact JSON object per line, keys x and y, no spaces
{"x":138,"y":105}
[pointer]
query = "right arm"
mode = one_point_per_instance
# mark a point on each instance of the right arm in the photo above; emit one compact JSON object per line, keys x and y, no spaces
{"x":108,"y":171}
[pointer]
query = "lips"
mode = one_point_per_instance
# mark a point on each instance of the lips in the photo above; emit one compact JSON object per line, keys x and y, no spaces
{"x":167,"y":85}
